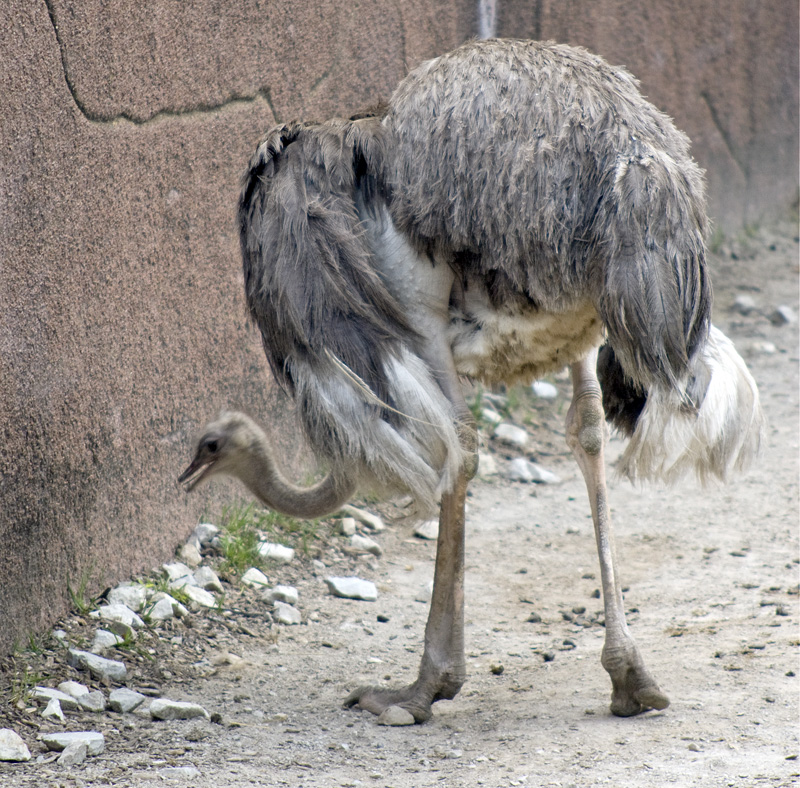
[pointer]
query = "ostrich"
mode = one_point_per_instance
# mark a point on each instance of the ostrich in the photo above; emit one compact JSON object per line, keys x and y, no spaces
{"x":515,"y":206}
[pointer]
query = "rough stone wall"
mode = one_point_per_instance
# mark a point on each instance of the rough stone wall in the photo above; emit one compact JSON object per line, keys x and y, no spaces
{"x":124,"y":127}
{"x":725,"y":70}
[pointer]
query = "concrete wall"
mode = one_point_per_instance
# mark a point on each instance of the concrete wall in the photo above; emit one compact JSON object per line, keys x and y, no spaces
{"x":124,"y":129}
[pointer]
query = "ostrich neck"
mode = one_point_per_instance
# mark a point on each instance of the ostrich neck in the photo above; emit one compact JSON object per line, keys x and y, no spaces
{"x":263,"y":478}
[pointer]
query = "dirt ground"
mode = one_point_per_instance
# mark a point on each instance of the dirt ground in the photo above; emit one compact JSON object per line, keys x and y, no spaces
{"x":712,"y":595}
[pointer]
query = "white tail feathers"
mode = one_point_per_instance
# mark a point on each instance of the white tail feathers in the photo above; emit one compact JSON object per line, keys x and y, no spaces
{"x":721,"y":435}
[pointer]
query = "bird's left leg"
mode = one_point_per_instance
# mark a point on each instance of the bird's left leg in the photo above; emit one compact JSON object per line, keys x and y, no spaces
{"x":634,"y":689}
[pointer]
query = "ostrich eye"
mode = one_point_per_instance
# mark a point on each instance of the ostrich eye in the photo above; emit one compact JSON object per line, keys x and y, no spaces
{"x":212,"y":446}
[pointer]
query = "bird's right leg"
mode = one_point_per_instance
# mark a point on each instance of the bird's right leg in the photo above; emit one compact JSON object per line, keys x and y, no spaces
{"x":633,"y":688}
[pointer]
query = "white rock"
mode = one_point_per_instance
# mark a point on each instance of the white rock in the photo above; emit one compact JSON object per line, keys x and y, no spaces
{"x":12,"y":748}
{"x":199,"y":596}
{"x":487,"y":467}
{"x":74,"y":754}
{"x":255,"y":577}
{"x":286,"y":594}
{"x":783,"y":316}
{"x":190,"y":555}
{"x":491,"y":416}
{"x":73,"y":688}
{"x":425,"y":593}
{"x":60,"y":635}
{"x":53,"y":710}
{"x":427,"y":530}
{"x":523,"y":470}
{"x":93,"y":701}
{"x":165,"y":709}
{"x":276,"y":552}
{"x":207,"y":578}
{"x":744,"y":304}
{"x":395,"y":716}
{"x":67,"y":702}
{"x":99,"y":667}
{"x":94,"y":741}
{"x":352,"y":588}
{"x":512,"y":435}
{"x":544,"y":390}
{"x":176,"y":570}
{"x":165,"y":607}
{"x":286,"y":614}
{"x":182,"y":582}
{"x":347,"y":526}
{"x":125,"y":700}
{"x":372,"y":521}
{"x":180,"y":772}
{"x":103,"y":639}
{"x":121,"y":613}
{"x":132,"y":595}
{"x":204,"y":533}
{"x":363,"y":544}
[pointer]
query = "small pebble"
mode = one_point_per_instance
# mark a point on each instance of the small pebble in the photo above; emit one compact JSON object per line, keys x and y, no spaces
{"x":286,"y":614}
{"x":190,"y":555}
{"x":93,"y":701}
{"x":276,"y":552}
{"x":352,"y":588}
{"x":12,"y":747}
{"x":347,"y":526}
{"x":53,"y":710}
{"x":362,"y":544}
{"x":125,"y":700}
{"x":255,"y":577}
{"x":395,"y":716}
{"x":511,"y":435}
{"x":95,"y":741}
{"x":74,"y":754}
{"x":371,"y":521}
{"x":287,"y":594}
{"x":428,"y":530}
{"x":544,"y":390}
{"x":783,"y":316}
{"x":165,"y":709}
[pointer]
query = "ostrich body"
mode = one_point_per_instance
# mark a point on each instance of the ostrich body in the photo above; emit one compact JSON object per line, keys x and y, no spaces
{"x":516,"y":205}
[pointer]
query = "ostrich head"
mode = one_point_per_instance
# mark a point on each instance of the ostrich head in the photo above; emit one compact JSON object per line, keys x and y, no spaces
{"x":224,"y":447}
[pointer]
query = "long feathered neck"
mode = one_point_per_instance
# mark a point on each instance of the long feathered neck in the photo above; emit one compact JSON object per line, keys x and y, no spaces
{"x":258,"y":471}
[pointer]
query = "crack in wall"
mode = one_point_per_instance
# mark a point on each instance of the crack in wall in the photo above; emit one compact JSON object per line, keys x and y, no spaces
{"x":726,"y":137}
{"x":198,"y":109}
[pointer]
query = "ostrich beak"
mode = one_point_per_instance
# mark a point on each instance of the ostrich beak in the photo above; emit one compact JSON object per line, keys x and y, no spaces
{"x":195,"y":473}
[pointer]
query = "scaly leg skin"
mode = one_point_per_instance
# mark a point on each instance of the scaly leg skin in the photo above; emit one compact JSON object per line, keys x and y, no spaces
{"x":634,"y":690}
{"x":442,"y":671}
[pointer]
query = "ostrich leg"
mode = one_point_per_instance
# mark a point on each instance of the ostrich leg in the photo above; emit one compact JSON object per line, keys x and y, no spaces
{"x":634,"y":689}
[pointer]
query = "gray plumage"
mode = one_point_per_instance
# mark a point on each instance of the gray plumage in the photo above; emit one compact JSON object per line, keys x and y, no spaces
{"x":564,"y":207}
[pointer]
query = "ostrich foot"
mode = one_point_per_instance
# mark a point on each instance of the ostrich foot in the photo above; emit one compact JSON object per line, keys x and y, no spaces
{"x":416,"y":698}
{"x":634,"y":690}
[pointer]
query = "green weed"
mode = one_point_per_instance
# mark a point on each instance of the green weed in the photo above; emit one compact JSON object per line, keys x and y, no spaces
{"x":81,"y":601}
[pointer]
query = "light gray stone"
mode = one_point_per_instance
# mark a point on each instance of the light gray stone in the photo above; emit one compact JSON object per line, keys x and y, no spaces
{"x":370,"y":520}
{"x":94,"y":741}
{"x":347,"y":526}
{"x":190,"y":555}
{"x":255,"y":577}
{"x":276,"y":552}
{"x":12,"y":748}
{"x":74,"y":754}
{"x":46,"y":694}
{"x":165,"y":607}
{"x":132,"y":595}
{"x":511,"y":435}
{"x":117,"y":612}
{"x":428,"y":530}
{"x":103,"y":640}
{"x":544,"y":390}
{"x":93,"y":701}
{"x":200,"y":597}
{"x":165,"y":709}
{"x":53,"y":710}
{"x":523,"y":470}
{"x":207,"y":578}
{"x":73,"y":688}
{"x":179,"y":772}
{"x":352,"y":588}
{"x":363,"y":544}
{"x":176,"y":570}
{"x":425,"y":593}
{"x":286,"y":614}
{"x":783,"y":316}
{"x":204,"y":533}
{"x":487,"y":466}
{"x":99,"y":667}
{"x":744,"y":304}
{"x":491,"y":416}
{"x":185,"y":581}
{"x":125,"y":700}
{"x":286,"y":594}
{"x":395,"y":716}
